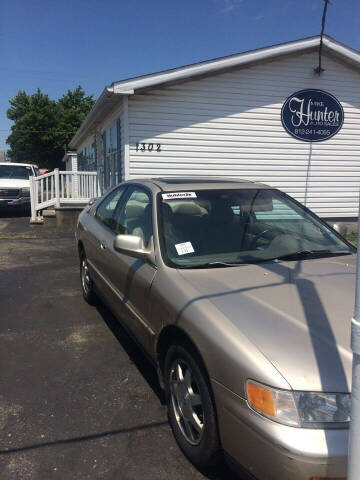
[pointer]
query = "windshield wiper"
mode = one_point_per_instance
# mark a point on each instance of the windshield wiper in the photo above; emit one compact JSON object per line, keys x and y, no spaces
{"x":300,"y":255}
{"x":212,"y":265}
{"x":309,"y":253}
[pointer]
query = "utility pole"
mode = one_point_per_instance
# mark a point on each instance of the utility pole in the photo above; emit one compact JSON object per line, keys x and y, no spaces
{"x":353,"y":470}
{"x":354,"y":437}
{"x":319,"y":68}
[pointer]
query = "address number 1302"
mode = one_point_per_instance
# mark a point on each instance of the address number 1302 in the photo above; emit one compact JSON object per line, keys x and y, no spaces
{"x":148,"y":147}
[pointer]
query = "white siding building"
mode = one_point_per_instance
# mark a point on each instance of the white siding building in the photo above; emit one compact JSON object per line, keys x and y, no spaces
{"x":223,"y":118}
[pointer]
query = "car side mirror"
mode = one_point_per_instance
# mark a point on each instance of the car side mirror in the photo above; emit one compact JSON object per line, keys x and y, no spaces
{"x":133,"y":246}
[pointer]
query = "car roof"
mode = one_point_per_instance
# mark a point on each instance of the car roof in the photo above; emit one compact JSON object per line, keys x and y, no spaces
{"x":13,"y":164}
{"x":173,"y":184}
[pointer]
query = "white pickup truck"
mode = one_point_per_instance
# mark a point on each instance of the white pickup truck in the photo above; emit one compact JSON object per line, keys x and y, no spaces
{"x":15,"y":184}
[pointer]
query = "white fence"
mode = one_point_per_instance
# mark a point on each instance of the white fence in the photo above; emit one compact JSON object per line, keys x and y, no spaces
{"x":59,"y":188}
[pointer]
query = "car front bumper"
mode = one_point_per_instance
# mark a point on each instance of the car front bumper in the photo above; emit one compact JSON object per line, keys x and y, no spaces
{"x":271,"y":451}
{"x":14,"y":202}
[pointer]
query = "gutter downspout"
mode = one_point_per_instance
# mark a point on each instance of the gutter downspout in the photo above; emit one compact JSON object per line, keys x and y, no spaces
{"x":126,"y":140}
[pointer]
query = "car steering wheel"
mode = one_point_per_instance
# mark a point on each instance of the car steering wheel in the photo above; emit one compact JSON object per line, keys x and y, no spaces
{"x":259,"y":235}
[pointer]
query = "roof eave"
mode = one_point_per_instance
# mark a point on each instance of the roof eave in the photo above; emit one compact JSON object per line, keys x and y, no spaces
{"x":342,"y":51}
{"x":95,"y":113}
{"x":213,"y":66}
{"x":130,"y":86}
{"x":67,"y":155}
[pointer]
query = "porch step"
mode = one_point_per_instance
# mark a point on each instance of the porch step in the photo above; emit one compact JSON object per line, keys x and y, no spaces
{"x":49,"y":212}
{"x":71,"y":208}
{"x":37,"y":221}
{"x":67,"y":216}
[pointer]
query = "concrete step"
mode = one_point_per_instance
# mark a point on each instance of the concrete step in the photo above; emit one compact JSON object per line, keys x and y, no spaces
{"x":37,"y":221}
{"x":64,"y":217}
{"x":49,"y":212}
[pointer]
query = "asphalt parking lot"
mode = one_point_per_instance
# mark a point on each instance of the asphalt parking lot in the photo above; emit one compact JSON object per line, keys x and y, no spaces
{"x":78,"y":400}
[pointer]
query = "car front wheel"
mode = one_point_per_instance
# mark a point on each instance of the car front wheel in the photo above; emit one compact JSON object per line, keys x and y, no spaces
{"x":191,"y":408}
{"x":87,"y":284}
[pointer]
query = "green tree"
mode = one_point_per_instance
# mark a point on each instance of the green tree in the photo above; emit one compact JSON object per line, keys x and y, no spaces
{"x":33,"y":116}
{"x":72,"y":107}
{"x":43,"y":127}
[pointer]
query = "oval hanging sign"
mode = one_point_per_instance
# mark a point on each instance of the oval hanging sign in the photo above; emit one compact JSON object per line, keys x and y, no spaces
{"x":312,"y":115}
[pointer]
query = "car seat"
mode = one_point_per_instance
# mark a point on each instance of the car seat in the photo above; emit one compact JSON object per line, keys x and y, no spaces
{"x":221,"y":234}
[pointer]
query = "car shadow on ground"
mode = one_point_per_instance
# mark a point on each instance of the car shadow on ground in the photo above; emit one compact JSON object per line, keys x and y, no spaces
{"x":134,"y":352}
{"x":148,"y":371}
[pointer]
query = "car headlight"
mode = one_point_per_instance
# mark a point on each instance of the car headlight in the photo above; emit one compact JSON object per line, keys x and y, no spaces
{"x":25,"y":192}
{"x":300,"y":409}
{"x":323,"y":407}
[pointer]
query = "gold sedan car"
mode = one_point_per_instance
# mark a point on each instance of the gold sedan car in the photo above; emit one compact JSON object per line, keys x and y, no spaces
{"x":242,"y":299}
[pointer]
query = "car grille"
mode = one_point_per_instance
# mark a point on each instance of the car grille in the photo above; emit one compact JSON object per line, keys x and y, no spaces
{"x":9,"y":192}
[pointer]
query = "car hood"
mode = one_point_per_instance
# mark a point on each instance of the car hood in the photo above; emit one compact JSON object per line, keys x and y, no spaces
{"x":13,"y":183}
{"x":298,"y":314}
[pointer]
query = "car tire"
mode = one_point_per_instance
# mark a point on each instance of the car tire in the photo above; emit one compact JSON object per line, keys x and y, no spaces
{"x":87,"y":285}
{"x":189,"y":396}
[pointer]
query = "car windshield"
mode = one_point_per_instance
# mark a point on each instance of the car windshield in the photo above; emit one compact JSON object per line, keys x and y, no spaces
{"x":229,"y":227}
{"x":16,"y":171}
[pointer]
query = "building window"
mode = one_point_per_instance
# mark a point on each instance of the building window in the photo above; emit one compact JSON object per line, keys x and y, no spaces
{"x":111,"y":155}
{"x":87,"y":158}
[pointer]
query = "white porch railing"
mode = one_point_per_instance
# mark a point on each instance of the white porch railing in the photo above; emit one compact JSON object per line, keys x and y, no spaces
{"x":62,"y":188}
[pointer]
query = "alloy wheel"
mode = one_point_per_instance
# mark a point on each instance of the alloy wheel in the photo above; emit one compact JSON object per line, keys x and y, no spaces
{"x":85,"y":277}
{"x":186,"y":401}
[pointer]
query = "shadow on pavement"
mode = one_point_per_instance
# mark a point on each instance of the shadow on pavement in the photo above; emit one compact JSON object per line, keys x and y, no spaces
{"x":84,"y":438}
{"x":14,"y":212}
{"x":134,"y":352}
{"x":223,"y":472}
{"x":148,"y":371}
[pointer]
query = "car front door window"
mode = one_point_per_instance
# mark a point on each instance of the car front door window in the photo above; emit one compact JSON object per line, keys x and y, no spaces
{"x":106,"y":210}
{"x":135,"y":216}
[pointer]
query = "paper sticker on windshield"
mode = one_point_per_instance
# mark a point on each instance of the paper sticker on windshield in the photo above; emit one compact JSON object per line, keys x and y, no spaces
{"x":178,"y":195}
{"x":184,"y":248}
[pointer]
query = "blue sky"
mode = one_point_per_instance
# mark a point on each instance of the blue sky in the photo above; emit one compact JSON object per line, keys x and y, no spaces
{"x":57,"y":45}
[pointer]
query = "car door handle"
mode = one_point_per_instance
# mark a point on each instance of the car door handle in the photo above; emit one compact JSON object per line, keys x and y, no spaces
{"x":102,"y":246}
